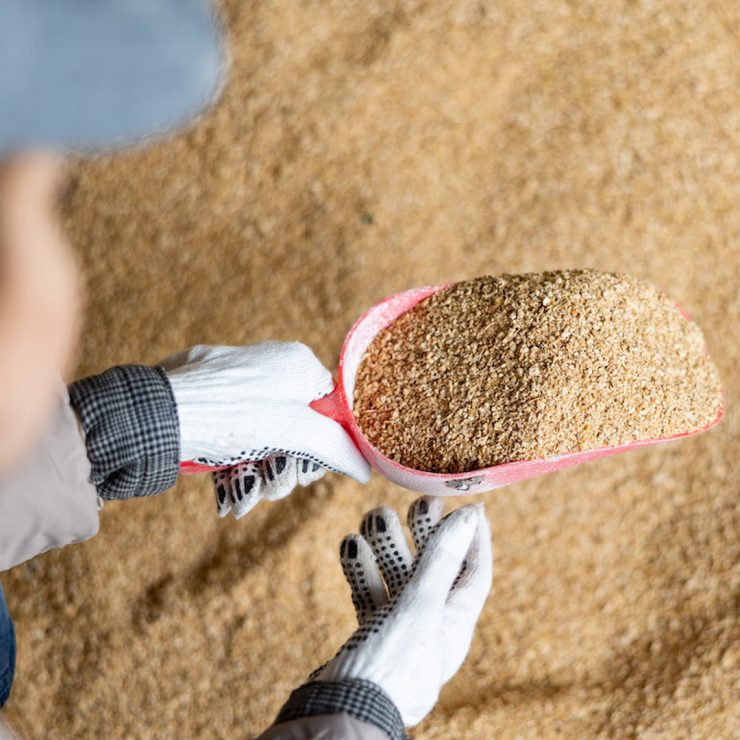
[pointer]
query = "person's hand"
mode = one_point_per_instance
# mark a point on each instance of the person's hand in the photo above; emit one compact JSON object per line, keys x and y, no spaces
{"x":248,"y":408}
{"x":40,"y":302}
{"x":416,"y":614}
{"x":241,"y":487}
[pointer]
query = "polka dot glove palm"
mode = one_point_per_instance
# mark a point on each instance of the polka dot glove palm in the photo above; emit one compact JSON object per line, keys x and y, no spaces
{"x":248,"y":408}
{"x":241,"y":487}
{"x":416,"y":614}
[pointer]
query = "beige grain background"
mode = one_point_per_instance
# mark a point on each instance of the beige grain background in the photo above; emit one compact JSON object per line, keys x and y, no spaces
{"x":361,"y":149}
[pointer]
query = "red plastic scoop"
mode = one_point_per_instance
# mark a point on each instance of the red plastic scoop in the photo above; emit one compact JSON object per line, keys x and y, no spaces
{"x":338,"y":406}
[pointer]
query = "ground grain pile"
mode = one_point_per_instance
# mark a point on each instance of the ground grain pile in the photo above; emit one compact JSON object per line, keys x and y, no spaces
{"x":361,"y":149}
{"x":524,"y":367}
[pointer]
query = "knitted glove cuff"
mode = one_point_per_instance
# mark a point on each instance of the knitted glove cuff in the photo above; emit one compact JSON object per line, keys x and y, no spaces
{"x":131,"y":430}
{"x":358,"y":698}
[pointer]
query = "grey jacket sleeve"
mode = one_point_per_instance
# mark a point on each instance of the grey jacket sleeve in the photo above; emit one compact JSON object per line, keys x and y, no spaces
{"x":131,"y":428}
{"x":337,"y":709}
{"x":126,"y":442}
{"x":47,"y":500}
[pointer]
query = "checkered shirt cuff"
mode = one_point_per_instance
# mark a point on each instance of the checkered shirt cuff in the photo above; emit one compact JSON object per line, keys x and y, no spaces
{"x":361,"y":699}
{"x":132,"y":434}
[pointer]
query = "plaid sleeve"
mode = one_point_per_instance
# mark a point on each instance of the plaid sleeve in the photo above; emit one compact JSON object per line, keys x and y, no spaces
{"x":358,"y":698}
{"x":131,"y":430}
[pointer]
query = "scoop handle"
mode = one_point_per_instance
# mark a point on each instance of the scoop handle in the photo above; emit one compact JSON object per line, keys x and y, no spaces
{"x":332,"y":406}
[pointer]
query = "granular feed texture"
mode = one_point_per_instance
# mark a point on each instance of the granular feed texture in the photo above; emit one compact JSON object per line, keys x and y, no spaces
{"x":523,"y":367}
{"x":360,"y":149}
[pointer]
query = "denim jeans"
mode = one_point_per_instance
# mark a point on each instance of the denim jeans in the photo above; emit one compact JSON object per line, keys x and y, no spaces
{"x":7,"y":650}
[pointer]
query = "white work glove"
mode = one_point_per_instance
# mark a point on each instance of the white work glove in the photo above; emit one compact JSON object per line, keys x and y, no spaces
{"x":416,"y":628}
{"x":241,"y":487}
{"x":241,"y":405}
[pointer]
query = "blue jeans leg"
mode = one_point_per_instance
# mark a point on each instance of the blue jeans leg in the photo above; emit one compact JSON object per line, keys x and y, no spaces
{"x":7,"y":650}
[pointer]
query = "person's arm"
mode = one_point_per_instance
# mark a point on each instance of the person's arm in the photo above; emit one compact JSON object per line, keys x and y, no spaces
{"x":337,"y":711}
{"x":417,"y":616}
{"x":128,"y":428}
{"x":47,"y":499}
{"x":114,"y":436}
{"x":129,"y":418}
{"x":243,"y":410}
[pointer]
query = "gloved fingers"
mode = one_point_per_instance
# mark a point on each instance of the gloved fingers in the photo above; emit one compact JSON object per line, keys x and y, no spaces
{"x":284,"y":370}
{"x":279,"y":476}
{"x":467,"y":597}
{"x":333,"y":448}
{"x":222,"y":489}
{"x":361,"y":571}
{"x":424,"y":514}
{"x":246,"y":485}
{"x":326,"y":442}
{"x":315,"y":673}
{"x":308,"y":472}
{"x":293,"y":369}
{"x":237,"y":489}
{"x":472,"y":584}
{"x":383,"y":532}
{"x":317,"y":380}
{"x":293,"y":429}
{"x":440,"y":561}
